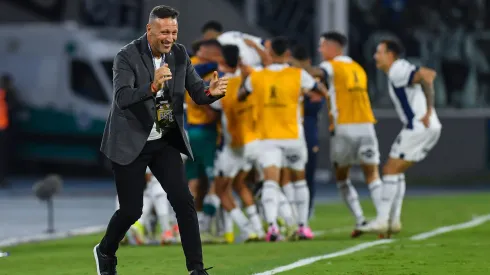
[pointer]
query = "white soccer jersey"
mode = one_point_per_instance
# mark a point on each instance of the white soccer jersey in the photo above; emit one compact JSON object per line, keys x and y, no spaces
{"x":409,"y":99}
{"x":248,"y":54}
{"x":327,"y":68}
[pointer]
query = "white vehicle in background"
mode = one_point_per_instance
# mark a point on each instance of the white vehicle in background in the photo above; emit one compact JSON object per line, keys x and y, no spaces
{"x":63,"y":74}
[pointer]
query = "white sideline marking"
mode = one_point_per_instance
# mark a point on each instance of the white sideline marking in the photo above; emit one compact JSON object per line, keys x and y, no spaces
{"x":308,"y":261}
{"x":47,"y":237}
{"x":441,"y":230}
{"x":445,"y":229}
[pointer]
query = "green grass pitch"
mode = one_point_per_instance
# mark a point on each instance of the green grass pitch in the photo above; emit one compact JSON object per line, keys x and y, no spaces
{"x":459,"y":252}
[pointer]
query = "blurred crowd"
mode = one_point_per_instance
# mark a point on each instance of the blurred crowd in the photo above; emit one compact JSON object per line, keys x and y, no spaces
{"x":449,"y":36}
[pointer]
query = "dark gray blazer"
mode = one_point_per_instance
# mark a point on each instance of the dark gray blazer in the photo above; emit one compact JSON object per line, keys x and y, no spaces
{"x":133,"y":113}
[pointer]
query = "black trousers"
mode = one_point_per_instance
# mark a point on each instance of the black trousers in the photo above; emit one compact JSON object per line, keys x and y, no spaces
{"x":166,"y":165}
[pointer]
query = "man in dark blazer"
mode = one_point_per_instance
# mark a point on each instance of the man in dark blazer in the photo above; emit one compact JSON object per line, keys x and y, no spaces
{"x":145,"y":129}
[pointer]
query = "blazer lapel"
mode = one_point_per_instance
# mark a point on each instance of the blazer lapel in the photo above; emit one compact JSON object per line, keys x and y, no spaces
{"x":146,"y":56}
{"x":170,"y":60}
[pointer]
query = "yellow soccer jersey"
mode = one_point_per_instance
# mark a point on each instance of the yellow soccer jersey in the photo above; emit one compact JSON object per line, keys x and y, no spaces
{"x":277,"y":90}
{"x":348,"y":89}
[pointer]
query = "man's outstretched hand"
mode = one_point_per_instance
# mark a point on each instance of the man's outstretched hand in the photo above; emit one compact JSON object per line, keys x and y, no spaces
{"x":217,"y":86}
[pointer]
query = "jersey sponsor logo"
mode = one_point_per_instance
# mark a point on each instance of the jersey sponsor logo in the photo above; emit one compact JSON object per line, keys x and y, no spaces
{"x":292,"y":158}
{"x":356,"y":87}
{"x":369,"y":153}
{"x":273,"y":92}
{"x":274,"y":100}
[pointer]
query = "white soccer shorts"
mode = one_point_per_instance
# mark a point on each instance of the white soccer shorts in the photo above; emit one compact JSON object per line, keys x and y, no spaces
{"x":291,"y":154}
{"x":354,"y":144}
{"x":230,"y":161}
{"x":414,"y":145}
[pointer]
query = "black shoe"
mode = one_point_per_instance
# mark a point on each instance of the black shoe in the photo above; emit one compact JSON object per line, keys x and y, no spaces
{"x":200,"y":271}
{"x":106,"y":265}
{"x":356,"y":232}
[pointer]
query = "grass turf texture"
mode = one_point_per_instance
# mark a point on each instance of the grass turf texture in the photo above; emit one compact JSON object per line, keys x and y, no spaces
{"x":458,"y":252}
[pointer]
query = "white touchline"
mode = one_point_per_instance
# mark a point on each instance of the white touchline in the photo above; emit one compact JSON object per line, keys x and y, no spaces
{"x":308,"y":261}
{"x":441,"y":230}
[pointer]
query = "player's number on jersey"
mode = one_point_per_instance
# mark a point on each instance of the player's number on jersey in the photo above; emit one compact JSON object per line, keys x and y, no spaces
{"x":273,"y":92}
{"x":355,"y":83}
{"x":356,"y":79}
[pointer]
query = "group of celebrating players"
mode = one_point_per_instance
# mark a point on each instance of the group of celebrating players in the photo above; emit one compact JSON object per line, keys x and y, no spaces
{"x":260,"y":143}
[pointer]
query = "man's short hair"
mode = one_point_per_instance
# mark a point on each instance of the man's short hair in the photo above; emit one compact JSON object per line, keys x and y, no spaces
{"x":212,"y":25}
{"x":300,"y":52}
{"x":336,"y":37}
{"x":394,"y":47}
{"x":162,"y":12}
{"x":195,"y":46}
{"x":280,"y":45}
{"x":231,"y":54}
{"x":211,"y":43}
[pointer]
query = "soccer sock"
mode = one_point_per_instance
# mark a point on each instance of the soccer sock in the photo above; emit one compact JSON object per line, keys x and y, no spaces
{"x":218,"y":221}
{"x":228,"y":221}
{"x":269,"y":201}
{"x":289,"y":191}
{"x":302,"y":201}
{"x":144,"y":220}
{"x":211,"y":203}
{"x":200,"y":214}
{"x":351,"y":198}
{"x":240,"y":219}
{"x":398,"y":202}
{"x":285,"y":209}
{"x":375,"y":188}
{"x":254,"y":218}
{"x":390,"y":188}
{"x":161,"y":208}
{"x":204,"y":221}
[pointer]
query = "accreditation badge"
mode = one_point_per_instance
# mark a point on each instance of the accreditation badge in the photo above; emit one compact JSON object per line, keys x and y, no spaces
{"x":165,"y":116}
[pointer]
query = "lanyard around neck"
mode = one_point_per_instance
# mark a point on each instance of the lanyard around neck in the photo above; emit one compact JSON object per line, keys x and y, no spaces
{"x":153,"y":58}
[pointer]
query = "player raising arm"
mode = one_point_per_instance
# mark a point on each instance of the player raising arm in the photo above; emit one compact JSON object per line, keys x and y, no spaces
{"x":412,"y":92}
{"x":278,"y":89}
